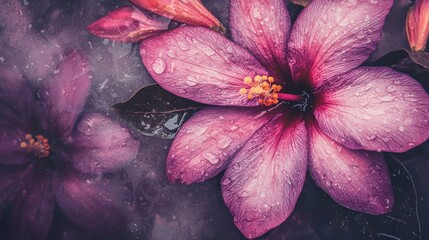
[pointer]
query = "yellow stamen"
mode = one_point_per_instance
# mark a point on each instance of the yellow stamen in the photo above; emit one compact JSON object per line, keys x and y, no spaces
{"x":39,"y":147}
{"x":261,"y":87}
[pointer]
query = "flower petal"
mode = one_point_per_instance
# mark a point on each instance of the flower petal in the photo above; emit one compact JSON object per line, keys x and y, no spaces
{"x":207,"y":141}
{"x":264,"y":180}
{"x":356,"y":179}
{"x":16,"y":100}
{"x":65,"y":93}
{"x":191,"y":12}
{"x":12,"y":181}
{"x":10,"y":151}
{"x":201,"y":65}
{"x":101,"y":145}
{"x":33,"y":208}
{"x":128,"y":24}
{"x":333,"y":37}
{"x":374,"y":109}
{"x":98,"y":206}
{"x":263,"y":28}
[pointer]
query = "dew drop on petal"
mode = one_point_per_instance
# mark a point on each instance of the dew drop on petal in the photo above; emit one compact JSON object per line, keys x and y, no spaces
{"x":159,"y":66}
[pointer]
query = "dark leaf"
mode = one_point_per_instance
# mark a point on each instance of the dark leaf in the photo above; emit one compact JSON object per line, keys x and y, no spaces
{"x":332,"y":221}
{"x":394,"y":36}
{"x":420,"y":58}
{"x":415,"y":64}
{"x":154,"y":111}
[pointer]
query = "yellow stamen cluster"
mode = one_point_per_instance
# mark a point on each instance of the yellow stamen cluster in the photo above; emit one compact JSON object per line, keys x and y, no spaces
{"x":39,"y":147}
{"x":262,"y":87}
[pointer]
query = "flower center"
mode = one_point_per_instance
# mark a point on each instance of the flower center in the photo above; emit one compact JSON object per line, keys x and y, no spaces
{"x":268,"y":93}
{"x":39,"y":146}
{"x":263,"y":88}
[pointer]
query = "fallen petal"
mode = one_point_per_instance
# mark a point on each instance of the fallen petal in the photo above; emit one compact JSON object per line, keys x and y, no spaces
{"x":128,"y":24}
{"x":374,"y":109}
{"x":263,"y":181}
{"x":356,"y":179}
{"x":207,"y":141}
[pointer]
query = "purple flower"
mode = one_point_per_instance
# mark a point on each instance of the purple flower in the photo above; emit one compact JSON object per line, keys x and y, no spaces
{"x":331,"y":117}
{"x":50,"y":156}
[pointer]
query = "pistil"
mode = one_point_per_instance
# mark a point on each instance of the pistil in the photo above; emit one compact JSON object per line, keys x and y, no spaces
{"x":39,"y":146}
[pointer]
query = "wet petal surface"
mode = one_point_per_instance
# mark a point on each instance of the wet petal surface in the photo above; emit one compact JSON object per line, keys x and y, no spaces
{"x":375,"y":109}
{"x":333,"y":37}
{"x":356,"y":179}
{"x":201,"y":65}
{"x":207,"y":141}
{"x":263,"y":181}
{"x":252,"y":27}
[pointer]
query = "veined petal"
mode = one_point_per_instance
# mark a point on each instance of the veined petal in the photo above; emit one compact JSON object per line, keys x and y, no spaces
{"x":98,"y":206}
{"x":262,"y":27}
{"x":12,"y":182}
{"x":356,"y":179}
{"x":333,"y":37}
{"x":65,"y":93}
{"x":201,"y":65}
{"x":10,"y":151}
{"x":207,"y":141}
{"x":101,"y":145}
{"x":191,"y":12}
{"x":263,"y":181}
{"x":33,"y":208}
{"x":128,"y":24}
{"x":374,"y":109}
{"x":17,"y":101}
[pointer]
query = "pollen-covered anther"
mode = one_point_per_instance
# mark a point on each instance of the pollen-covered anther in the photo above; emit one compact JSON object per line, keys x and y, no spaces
{"x":263,"y":88}
{"x":39,"y":145}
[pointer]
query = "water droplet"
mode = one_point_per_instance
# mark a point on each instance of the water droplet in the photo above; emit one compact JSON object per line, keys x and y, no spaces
{"x":159,"y":66}
{"x":183,"y":45}
{"x":191,"y":81}
{"x":224,"y":142}
{"x":211,"y":158}
{"x":200,"y":130}
{"x":401,"y":128}
{"x":233,"y":127}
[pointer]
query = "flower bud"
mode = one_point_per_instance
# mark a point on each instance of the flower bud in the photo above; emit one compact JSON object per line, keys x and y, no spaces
{"x":418,"y":25}
{"x":128,"y":24}
{"x":191,"y":12}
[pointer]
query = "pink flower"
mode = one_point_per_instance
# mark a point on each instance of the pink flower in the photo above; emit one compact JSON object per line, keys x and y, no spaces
{"x":332,"y":117}
{"x":129,"y":24}
{"x":50,"y":154}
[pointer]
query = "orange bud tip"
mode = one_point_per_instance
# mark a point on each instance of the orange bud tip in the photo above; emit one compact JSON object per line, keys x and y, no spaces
{"x":417,"y":25}
{"x":191,"y":12}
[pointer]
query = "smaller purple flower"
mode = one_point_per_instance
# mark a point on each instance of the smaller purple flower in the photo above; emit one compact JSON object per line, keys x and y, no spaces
{"x":50,"y":155}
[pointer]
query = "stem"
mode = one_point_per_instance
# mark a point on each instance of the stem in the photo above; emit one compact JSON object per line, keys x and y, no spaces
{"x":290,"y":97}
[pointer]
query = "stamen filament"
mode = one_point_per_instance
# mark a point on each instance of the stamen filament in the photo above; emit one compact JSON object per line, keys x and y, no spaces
{"x":290,"y":97}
